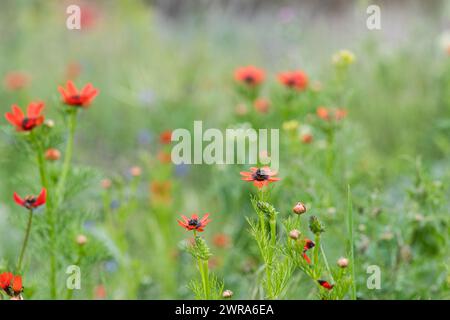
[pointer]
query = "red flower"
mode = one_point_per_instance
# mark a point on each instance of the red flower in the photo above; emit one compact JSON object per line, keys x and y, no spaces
{"x":307,"y":138}
{"x":5,"y":280}
{"x":221,"y":240}
{"x":165,"y":137}
{"x":250,"y":75}
{"x":194,"y":223}
{"x":262,"y":105}
{"x":27,"y":122}
{"x":325,"y":284}
{"x":309,"y":244}
{"x":327,"y":114}
{"x":11,"y":284}
{"x":297,"y":80}
{"x":260,"y":176}
{"x":16,"y":80}
{"x":31,"y":202}
{"x":72,"y":97}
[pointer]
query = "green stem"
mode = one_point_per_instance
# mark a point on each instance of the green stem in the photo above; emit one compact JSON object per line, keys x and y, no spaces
{"x":25,"y":241}
{"x":316,"y":255}
{"x":351,"y":241}
{"x":49,"y":213}
{"x":326,"y":262}
{"x":68,"y":154}
{"x":204,"y":273}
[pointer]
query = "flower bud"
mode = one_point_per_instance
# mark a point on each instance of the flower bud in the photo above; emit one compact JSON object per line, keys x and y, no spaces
{"x":315,"y":225}
{"x":294,"y":234}
{"x":262,"y":105}
{"x":299,"y":208}
{"x":81,"y":239}
{"x":227,"y":294}
{"x":342,"y":262}
{"x":52,"y":154}
{"x":106,"y":183}
{"x":49,"y":123}
{"x":136,"y":171}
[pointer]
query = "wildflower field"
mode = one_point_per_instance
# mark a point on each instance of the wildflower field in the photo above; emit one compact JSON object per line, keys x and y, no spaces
{"x":349,"y":199}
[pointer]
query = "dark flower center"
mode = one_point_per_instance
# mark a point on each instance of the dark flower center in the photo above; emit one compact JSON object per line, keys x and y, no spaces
{"x":29,"y":201}
{"x":260,"y":175}
{"x":27,"y":123}
{"x":249,"y":79}
{"x":194,"y":223}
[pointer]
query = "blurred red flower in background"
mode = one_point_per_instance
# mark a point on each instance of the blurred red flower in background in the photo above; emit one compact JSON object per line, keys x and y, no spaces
{"x":250,"y":75}
{"x":16,"y":80}
{"x":165,"y":137}
{"x":27,"y":122}
{"x":293,"y":79}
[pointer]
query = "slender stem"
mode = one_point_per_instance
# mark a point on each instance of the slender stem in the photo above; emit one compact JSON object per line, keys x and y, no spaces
{"x":25,"y":241}
{"x":68,"y":154}
{"x":49,"y":213}
{"x":326,"y":262}
{"x":316,"y":255}
{"x":351,"y":241}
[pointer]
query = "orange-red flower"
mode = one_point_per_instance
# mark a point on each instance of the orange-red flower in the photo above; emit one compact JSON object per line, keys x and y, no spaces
{"x":16,"y":80}
{"x":31,"y":202}
{"x":165,"y":137}
{"x":27,"y":122}
{"x":74,"y":97}
{"x":261,"y":105}
{"x":259,"y":176}
{"x":194,"y":223}
{"x":221,"y":240}
{"x":307,"y":138}
{"x":325,"y":284}
{"x":11,"y":284}
{"x":309,"y":244}
{"x":297,"y":80}
{"x":328,"y":114}
{"x":250,"y":75}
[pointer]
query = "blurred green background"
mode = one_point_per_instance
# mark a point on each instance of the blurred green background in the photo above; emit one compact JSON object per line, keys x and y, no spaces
{"x":160,"y":65}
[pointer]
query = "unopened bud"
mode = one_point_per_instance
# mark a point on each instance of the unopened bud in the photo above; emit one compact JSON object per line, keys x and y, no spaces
{"x":49,"y":123}
{"x":342,"y":262}
{"x":81,"y":239}
{"x":294,"y":234}
{"x":315,"y":225}
{"x":106,"y":183}
{"x":299,"y":208}
{"x":136,"y":171}
{"x":52,"y":154}
{"x":227,"y":294}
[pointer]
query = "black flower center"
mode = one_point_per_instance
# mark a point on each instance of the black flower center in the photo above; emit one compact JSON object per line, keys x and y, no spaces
{"x":194,"y":223}
{"x":260,"y":175}
{"x":27,"y":123}
{"x":249,"y":79}
{"x":30,"y":201}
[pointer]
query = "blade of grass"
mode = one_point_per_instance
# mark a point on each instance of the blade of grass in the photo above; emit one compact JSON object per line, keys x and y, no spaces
{"x":351,"y":241}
